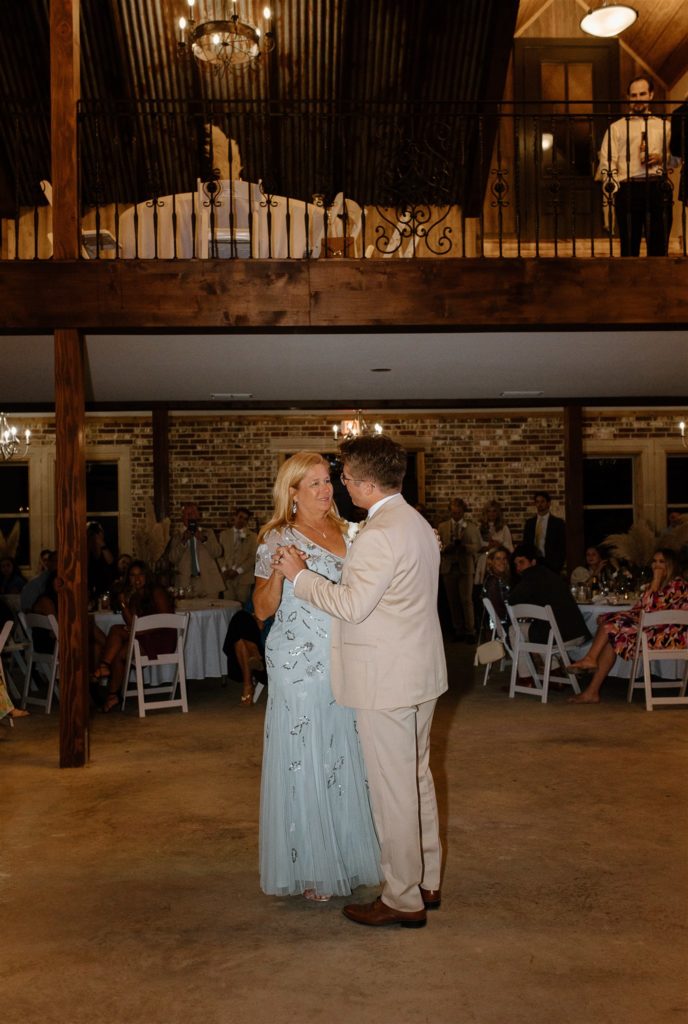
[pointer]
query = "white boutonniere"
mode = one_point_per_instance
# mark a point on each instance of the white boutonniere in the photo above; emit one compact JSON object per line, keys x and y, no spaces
{"x":352,"y":532}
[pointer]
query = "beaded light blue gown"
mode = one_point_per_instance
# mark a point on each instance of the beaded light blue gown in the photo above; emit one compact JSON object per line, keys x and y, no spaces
{"x":316,"y":828}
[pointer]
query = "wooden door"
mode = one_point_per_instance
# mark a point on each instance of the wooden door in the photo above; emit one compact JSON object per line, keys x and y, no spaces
{"x":564,"y":92}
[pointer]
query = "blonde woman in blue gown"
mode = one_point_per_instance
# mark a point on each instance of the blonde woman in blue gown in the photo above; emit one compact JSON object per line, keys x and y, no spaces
{"x":317,"y":837}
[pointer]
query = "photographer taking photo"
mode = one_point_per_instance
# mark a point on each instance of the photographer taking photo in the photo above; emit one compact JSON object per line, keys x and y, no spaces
{"x":193,"y":551}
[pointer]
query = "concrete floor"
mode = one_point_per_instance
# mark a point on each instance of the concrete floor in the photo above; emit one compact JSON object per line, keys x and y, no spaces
{"x":129,"y":892}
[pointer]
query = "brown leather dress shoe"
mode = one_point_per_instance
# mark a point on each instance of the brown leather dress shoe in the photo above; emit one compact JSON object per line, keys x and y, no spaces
{"x":431,"y":898}
{"x":378,"y":914}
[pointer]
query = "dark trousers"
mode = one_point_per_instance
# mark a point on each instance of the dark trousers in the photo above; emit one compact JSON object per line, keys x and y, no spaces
{"x":644,"y":207}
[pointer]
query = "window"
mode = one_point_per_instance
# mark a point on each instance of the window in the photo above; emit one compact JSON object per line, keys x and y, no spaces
{"x":102,"y":499}
{"x":608,"y":496}
{"x":14,"y":507}
{"x":677,"y":483}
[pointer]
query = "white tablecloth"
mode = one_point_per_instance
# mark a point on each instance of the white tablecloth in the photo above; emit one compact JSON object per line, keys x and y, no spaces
{"x":205,"y":636}
{"x":622,"y":667}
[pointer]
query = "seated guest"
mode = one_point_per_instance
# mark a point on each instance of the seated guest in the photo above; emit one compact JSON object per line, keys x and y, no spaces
{"x":244,"y":649}
{"x":596,"y":569}
{"x":146,"y":598}
{"x":617,"y":632}
{"x":239,"y":546}
{"x":38,"y":595}
{"x":498,"y":582}
{"x":11,"y":579}
{"x":7,"y":708}
{"x":539,"y":585}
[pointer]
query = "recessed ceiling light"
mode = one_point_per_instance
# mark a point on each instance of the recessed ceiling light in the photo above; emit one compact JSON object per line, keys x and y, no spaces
{"x":231,"y":394}
{"x":521,"y":394}
{"x":381,"y":369}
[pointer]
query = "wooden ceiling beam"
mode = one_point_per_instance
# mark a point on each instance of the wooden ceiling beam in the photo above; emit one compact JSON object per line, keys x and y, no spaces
{"x":200,"y":295}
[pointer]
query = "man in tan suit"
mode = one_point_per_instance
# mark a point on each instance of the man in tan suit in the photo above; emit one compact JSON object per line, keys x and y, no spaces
{"x":388,"y":663}
{"x":193,"y":550}
{"x":461,"y":543}
{"x":239,"y":546}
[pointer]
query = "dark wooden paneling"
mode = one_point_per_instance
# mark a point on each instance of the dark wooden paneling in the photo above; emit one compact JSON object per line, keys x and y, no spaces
{"x":443,"y":293}
{"x":70,"y":504}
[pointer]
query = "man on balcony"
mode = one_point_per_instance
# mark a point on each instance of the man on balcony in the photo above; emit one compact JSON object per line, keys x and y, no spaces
{"x":634,"y":160}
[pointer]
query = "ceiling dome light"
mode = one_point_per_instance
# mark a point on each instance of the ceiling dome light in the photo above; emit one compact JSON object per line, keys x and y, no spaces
{"x":608,"y":20}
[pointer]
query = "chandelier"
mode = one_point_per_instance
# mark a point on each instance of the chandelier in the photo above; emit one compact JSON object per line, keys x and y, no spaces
{"x":682,"y":432}
{"x":10,"y":442}
{"x":608,"y":20}
{"x":224,"y":43}
{"x":348,"y":429}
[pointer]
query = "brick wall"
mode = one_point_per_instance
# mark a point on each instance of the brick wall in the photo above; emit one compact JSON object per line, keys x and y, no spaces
{"x":225,"y":460}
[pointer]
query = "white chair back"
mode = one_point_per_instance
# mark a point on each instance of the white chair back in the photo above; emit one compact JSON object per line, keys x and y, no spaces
{"x":553,"y":649}
{"x":152,"y":691}
{"x":47,"y":661}
{"x":650,"y":621}
{"x":498,"y":631}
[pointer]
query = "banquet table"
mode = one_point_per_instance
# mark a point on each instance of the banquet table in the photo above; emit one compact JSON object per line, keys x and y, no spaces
{"x":622,"y":668}
{"x":205,"y":636}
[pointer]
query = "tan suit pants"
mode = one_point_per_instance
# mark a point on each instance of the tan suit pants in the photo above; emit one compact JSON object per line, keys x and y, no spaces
{"x":396,"y":750}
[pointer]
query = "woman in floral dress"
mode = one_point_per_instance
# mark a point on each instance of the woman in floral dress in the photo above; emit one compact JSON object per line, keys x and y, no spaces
{"x":617,"y":632}
{"x":317,"y":837}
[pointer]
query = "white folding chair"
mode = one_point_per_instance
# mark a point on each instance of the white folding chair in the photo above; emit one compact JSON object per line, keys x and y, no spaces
{"x":47,"y":661}
{"x":498,"y":632}
{"x":550,"y":650}
{"x":148,"y":693}
{"x":4,"y":634}
{"x":653,"y":620}
{"x":16,"y":649}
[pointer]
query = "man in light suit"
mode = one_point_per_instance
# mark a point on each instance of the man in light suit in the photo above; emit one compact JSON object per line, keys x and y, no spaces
{"x":547,"y":532}
{"x":193,"y":551}
{"x":239,"y":546}
{"x":461,"y":543}
{"x":388,"y":663}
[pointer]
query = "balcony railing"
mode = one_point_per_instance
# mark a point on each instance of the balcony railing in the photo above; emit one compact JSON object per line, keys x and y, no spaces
{"x":167,"y":180}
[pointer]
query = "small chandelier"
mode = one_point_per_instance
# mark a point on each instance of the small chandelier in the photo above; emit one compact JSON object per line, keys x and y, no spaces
{"x":346,"y":430}
{"x":225,"y":43}
{"x":10,"y":443}
{"x":608,"y":20}
{"x":682,"y":432}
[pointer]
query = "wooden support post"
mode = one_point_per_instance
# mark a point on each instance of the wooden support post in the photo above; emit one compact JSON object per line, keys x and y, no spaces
{"x":64,"y":96}
{"x":161,"y":462}
{"x":70,"y":500}
{"x":573,"y":484}
{"x":70,"y":394}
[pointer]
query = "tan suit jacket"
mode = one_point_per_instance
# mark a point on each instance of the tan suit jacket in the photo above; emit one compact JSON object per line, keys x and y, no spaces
{"x":239,"y":553}
{"x":210,"y":582}
{"x":387,"y":649}
{"x":464,"y":553}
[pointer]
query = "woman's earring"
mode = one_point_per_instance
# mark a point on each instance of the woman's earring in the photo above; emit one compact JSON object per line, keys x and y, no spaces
{"x":293,"y":508}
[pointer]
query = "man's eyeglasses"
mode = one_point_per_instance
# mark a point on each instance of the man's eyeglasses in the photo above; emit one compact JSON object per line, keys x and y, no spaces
{"x":348,"y":479}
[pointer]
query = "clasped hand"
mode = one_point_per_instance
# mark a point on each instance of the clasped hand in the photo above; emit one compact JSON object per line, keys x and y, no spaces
{"x":288,"y":561}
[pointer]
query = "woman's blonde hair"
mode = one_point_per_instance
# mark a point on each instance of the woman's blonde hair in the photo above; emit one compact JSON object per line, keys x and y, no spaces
{"x":499,"y":521}
{"x":291,"y":473}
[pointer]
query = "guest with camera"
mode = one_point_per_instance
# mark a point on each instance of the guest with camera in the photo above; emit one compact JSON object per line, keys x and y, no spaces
{"x":193,"y":553}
